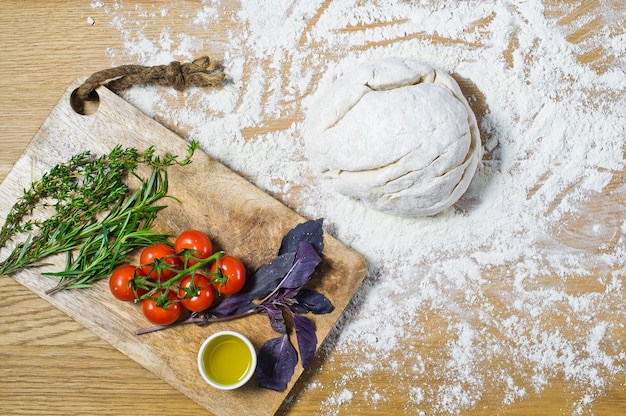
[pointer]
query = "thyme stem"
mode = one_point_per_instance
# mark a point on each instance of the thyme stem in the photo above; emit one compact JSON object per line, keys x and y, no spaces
{"x":85,"y":210}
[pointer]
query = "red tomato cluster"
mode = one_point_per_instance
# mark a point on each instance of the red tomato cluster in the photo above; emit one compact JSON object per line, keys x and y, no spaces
{"x":170,"y":279}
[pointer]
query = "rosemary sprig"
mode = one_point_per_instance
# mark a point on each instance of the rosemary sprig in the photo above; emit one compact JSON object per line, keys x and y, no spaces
{"x":92,"y":216}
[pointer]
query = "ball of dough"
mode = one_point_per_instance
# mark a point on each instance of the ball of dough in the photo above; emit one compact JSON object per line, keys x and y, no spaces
{"x":397,"y":134}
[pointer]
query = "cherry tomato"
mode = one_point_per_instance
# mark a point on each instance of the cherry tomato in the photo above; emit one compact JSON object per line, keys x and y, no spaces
{"x":194,"y":240}
{"x":159,"y":315}
{"x":233,"y":273}
{"x":205,"y":293}
{"x":120,"y":282}
{"x":159,"y":251}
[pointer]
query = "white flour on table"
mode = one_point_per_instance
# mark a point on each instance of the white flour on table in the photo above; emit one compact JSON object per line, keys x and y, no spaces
{"x":524,"y":276}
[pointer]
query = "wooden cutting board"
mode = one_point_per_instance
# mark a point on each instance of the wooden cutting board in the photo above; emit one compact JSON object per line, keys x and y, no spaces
{"x":240,"y":218}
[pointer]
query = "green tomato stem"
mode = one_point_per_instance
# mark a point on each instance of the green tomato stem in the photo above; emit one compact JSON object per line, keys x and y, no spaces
{"x":162,"y":300}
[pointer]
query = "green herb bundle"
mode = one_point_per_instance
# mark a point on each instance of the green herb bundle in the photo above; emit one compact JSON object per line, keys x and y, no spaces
{"x":85,"y":210}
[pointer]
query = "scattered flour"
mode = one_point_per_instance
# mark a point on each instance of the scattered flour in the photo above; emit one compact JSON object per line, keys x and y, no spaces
{"x":521,"y":282}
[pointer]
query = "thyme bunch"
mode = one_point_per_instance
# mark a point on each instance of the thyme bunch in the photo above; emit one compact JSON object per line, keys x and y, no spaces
{"x":84,"y":209}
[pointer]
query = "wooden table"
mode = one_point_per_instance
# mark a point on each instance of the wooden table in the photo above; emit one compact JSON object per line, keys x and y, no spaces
{"x":49,"y":364}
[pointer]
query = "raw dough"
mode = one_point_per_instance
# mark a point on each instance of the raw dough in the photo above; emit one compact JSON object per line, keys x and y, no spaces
{"x":397,"y":134}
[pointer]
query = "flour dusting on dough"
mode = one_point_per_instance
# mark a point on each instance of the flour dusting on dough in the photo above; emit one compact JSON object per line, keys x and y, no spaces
{"x":396,"y":134}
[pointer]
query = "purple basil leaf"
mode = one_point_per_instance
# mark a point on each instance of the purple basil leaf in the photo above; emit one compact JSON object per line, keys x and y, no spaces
{"x":304,"y":265}
{"x":276,"y":318}
{"x":269,"y":275}
{"x":276,"y":363}
{"x":307,"y":340}
{"x":237,"y":303}
{"x":287,"y":296}
{"x":310,"y":231}
{"x":311,"y":301}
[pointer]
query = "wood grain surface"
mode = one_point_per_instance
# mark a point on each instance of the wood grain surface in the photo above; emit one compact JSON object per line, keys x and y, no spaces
{"x":51,"y":364}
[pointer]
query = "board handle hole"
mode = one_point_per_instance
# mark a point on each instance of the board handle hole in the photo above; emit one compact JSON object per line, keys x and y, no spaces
{"x":85,"y":107}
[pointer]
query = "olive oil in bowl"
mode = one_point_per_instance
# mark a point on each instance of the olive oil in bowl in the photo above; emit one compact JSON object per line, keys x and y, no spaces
{"x":227,"y":360}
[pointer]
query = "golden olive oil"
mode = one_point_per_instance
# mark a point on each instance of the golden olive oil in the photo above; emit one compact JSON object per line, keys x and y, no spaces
{"x":227,"y":360}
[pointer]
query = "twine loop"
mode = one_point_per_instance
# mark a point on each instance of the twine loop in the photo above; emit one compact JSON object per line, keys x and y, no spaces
{"x":201,"y":72}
